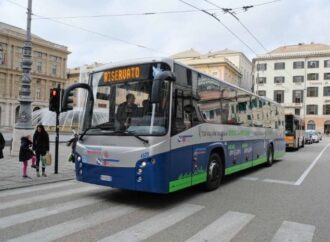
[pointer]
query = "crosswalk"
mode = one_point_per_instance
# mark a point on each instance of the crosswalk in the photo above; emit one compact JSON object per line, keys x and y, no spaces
{"x":116,"y":219}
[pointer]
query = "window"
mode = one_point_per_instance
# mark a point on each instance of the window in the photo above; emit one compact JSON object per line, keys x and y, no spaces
{"x":313,"y":64}
{"x":279,"y":96}
{"x":298,"y":79}
{"x":279,"y":66}
{"x":312,"y":109}
{"x":297,"y":111}
{"x":262,"y":67}
{"x":298,"y":65}
{"x":39,"y":66}
{"x":326,"y":76}
{"x":1,"y":55}
{"x":262,"y":93}
{"x":312,"y":91}
{"x":327,"y":63}
{"x":38,"y":54}
{"x":326,"y":91}
{"x":261,"y":80}
{"x":297,"y":96}
{"x":183,"y":75}
{"x":312,"y":76}
{"x":311,"y":125}
{"x":326,"y":109}
{"x":279,"y":79}
{"x":54,"y":67}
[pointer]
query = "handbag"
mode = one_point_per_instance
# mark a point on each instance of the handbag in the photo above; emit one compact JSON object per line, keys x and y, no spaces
{"x":48,"y":158}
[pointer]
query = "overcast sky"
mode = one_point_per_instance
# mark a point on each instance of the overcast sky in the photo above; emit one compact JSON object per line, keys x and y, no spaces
{"x":275,"y":24}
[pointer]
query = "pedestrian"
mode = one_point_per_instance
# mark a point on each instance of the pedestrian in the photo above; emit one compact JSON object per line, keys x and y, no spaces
{"x":25,"y":153}
{"x":41,"y":148}
{"x":2,"y":145}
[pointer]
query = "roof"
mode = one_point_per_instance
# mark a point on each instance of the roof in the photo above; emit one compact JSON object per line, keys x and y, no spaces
{"x":186,"y":54}
{"x":301,"y":47}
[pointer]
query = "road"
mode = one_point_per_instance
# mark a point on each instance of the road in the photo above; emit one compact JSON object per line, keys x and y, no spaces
{"x":286,"y":202}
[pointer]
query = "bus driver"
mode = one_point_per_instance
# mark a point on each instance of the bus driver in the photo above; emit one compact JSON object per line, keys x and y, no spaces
{"x":126,"y":111}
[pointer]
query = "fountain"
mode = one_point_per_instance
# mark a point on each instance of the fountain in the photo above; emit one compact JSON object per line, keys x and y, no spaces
{"x":71,"y":119}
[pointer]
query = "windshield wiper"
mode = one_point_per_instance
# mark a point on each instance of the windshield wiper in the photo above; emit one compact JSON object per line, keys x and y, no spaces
{"x":100,"y":126}
{"x":127,"y":133}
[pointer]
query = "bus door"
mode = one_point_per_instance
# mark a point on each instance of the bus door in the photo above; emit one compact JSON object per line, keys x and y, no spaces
{"x":181,"y":140}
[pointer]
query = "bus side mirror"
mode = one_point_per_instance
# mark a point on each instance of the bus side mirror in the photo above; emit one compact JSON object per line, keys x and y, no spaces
{"x":158,"y":83}
{"x":189,"y":109}
{"x":67,"y":99}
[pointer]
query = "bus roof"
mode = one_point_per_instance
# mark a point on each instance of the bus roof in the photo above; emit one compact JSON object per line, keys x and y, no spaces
{"x":171,"y":62}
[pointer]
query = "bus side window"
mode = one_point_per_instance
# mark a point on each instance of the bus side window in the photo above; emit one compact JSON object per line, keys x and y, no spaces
{"x":181,"y":119}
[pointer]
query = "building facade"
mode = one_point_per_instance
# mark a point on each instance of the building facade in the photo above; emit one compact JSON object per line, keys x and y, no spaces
{"x":228,"y":65}
{"x":298,"y":76}
{"x":49,"y":62}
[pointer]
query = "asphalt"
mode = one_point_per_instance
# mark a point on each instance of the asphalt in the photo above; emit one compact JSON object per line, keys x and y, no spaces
{"x":11,"y":170}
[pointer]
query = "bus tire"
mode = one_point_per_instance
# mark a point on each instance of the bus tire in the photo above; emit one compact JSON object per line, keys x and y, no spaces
{"x":303,"y":143}
{"x":214,"y":172}
{"x":270,"y":156}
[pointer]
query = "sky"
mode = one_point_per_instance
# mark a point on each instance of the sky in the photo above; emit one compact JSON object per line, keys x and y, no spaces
{"x":112,"y":38}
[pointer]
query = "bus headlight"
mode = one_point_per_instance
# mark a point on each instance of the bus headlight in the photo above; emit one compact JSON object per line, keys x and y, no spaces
{"x":79,"y":158}
{"x":143,"y":164}
{"x":139,"y":171}
{"x":139,"y":179}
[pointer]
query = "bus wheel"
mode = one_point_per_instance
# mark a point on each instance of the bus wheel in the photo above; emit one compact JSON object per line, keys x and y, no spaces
{"x":303,"y":143}
{"x":270,"y":156}
{"x":214,"y":172}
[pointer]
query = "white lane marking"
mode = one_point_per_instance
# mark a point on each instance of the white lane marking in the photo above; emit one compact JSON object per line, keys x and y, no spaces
{"x":155,"y":224}
{"x":278,"y":181}
{"x":25,"y":201}
{"x":15,"y":219}
{"x":223,"y":229}
{"x":64,"y":229}
{"x":250,"y":178}
{"x":25,"y":190}
{"x":304,"y":175}
{"x":294,"y":232}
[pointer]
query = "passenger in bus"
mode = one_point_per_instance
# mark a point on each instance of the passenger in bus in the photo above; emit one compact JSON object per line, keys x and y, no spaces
{"x":126,"y":111}
{"x":144,"y":109}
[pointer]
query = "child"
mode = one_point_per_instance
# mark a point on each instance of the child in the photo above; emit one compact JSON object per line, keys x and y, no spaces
{"x":25,"y":153}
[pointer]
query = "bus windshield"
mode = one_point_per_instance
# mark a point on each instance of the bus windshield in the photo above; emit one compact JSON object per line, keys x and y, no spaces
{"x":124,"y":107}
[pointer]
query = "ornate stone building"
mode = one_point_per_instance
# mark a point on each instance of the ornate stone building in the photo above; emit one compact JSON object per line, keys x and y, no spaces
{"x":298,"y":77}
{"x":49,"y":61}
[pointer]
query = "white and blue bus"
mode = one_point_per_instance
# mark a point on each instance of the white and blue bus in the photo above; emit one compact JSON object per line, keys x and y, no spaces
{"x":160,"y":126}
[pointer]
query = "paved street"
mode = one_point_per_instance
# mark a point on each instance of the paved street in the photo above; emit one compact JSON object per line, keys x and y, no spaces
{"x":287,"y":202}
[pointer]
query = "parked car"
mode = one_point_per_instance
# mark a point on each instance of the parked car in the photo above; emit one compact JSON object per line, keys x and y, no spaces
{"x":314,"y":136}
{"x":308,"y":137}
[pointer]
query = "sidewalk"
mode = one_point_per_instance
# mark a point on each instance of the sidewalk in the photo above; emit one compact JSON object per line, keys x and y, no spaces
{"x":11,"y":170}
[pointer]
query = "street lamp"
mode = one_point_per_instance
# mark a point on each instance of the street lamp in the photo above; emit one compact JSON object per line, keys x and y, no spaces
{"x":24,"y":122}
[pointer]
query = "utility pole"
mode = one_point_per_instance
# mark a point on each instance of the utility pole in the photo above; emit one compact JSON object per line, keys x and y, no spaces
{"x":58,"y":111}
{"x":24,"y":122}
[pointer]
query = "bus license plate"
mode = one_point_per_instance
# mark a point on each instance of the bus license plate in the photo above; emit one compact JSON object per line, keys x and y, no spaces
{"x":106,"y":178}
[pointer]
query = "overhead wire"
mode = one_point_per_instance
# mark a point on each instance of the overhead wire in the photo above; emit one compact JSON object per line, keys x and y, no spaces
{"x":93,"y":32}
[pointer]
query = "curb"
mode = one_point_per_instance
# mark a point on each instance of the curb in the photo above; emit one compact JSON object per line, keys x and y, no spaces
{"x":36,"y":184}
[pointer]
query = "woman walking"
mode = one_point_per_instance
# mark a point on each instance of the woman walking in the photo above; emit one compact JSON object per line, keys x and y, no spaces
{"x":25,"y":153}
{"x":41,"y":147}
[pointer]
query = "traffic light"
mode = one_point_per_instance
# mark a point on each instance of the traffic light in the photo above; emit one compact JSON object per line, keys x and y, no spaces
{"x":55,"y":100}
{"x":67,"y":100}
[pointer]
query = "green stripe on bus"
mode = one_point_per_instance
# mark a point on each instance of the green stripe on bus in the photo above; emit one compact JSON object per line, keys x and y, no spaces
{"x":199,"y":178}
{"x":245,"y":165}
{"x":187,"y":182}
{"x":279,"y":154}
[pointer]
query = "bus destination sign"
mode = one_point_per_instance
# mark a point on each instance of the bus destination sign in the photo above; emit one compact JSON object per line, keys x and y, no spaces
{"x":122,"y":74}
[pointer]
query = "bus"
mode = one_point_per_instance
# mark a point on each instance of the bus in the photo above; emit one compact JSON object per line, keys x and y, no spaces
{"x":294,"y":131}
{"x":167,"y":126}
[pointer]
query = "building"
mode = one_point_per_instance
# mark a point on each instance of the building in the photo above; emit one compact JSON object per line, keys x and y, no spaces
{"x":49,"y":61}
{"x":298,"y":76}
{"x":228,"y":65}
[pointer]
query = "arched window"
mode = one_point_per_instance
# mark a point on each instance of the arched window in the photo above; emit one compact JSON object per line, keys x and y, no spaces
{"x":2,"y":55}
{"x":311,"y":125}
